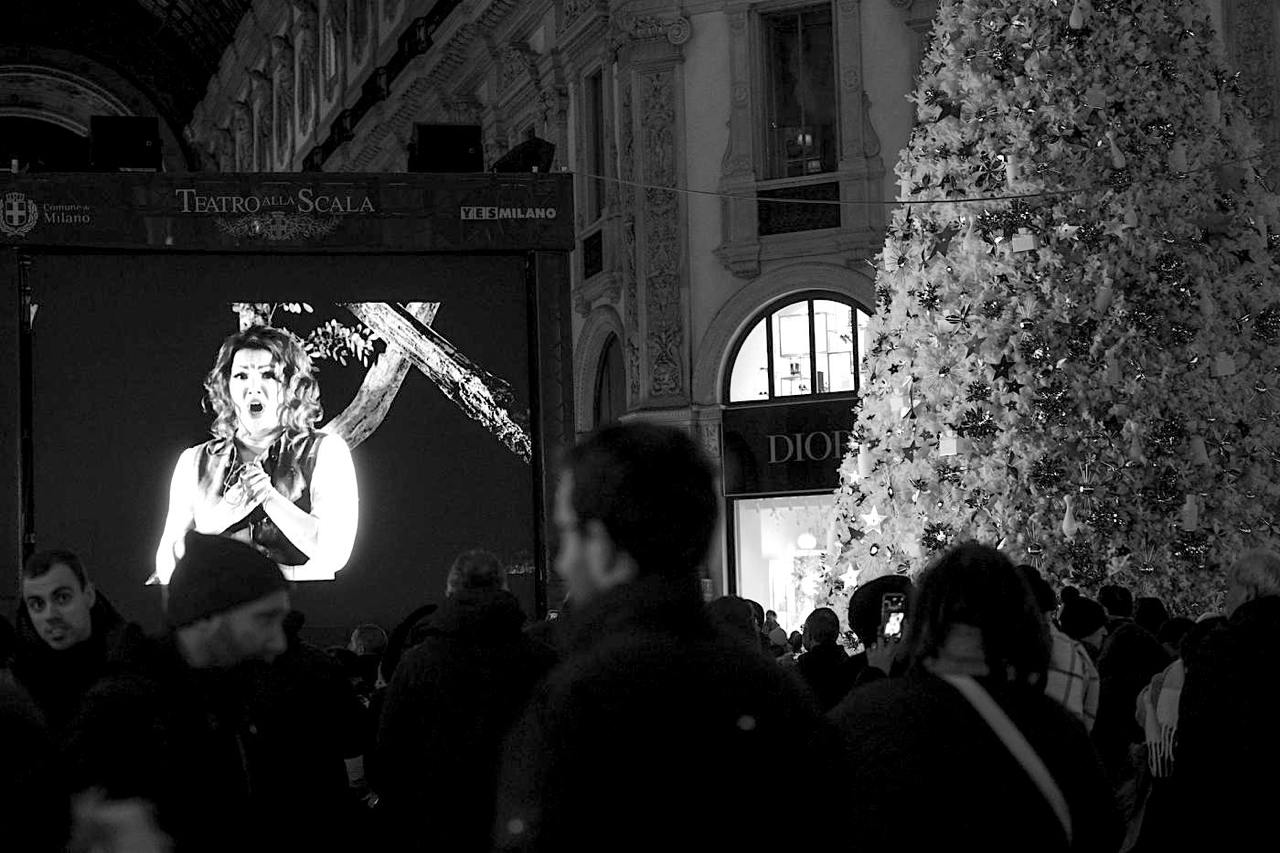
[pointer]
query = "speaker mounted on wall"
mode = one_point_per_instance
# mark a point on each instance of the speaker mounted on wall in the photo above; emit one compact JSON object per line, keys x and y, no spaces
{"x":532,"y":155}
{"x":125,"y":143}
{"x":446,"y":148}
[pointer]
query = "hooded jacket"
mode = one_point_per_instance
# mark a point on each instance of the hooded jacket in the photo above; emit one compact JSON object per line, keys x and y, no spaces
{"x":449,"y":704}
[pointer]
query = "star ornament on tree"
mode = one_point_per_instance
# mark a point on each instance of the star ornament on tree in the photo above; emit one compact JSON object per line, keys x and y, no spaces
{"x":942,"y":242}
{"x":1003,"y":367}
{"x":873,"y":519}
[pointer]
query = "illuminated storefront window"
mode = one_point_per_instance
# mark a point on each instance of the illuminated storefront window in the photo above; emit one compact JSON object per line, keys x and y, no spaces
{"x":791,"y":389}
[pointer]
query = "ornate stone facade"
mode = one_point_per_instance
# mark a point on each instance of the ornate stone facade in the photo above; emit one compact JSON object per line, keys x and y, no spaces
{"x":662,"y":238}
{"x":282,"y":60}
{"x":627,"y":255}
{"x":307,"y":72}
{"x":360,"y":26}
{"x":677,"y":275}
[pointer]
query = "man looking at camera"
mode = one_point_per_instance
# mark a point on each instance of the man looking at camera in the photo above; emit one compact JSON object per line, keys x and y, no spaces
{"x":68,"y":634}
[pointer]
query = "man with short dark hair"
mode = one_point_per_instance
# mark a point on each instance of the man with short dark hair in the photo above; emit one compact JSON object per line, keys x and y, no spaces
{"x":1072,"y":679}
{"x":825,"y":666}
{"x":1116,"y":600}
{"x":654,"y":728}
{"x":170,"y":725}
{"x":450,"y":702}
{"x":67,"y":634}
{"x":1130,"y":657}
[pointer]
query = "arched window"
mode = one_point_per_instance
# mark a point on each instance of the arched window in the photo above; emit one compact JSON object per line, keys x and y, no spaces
{"x":611,"y":393}
{"x":809,"y":346}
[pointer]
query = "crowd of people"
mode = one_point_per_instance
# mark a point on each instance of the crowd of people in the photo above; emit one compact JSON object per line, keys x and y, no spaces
{"x":995,"y":713}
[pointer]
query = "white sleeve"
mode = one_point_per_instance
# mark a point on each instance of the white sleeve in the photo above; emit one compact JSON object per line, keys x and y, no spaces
{"x":181,"y":516}
{"x":335,"y":505}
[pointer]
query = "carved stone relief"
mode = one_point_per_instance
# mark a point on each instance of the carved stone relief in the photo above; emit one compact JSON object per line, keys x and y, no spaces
{"x":664,"y":326}
{"x":462,"y":110}
{"x":516,"y":62}
{"x":737,"y":161}
{"x":283,"y":56}
{"x":335,"y":28}
{"x":223,"y":149}
{"x":263,"y":124}
{"x":242,"y":127}
{"x":359,"y":29}
{"x":709,"y":435}
{"x":336,"y":10}
{"x":572,"y":10}
{"x":631,"y":27}
{"x":870,"y":139}
{"x":627,"y":257}
{"x":308,"y":72}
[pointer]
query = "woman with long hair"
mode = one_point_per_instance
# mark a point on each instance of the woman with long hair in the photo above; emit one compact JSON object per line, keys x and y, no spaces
{"x":268,"y":477}
{"x":965,"y":749}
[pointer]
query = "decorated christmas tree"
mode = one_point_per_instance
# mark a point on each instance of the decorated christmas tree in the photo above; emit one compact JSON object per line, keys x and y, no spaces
{"x":1073,"y":354}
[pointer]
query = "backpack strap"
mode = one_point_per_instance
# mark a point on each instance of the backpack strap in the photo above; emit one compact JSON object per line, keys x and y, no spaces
{"x":1016,"y":743}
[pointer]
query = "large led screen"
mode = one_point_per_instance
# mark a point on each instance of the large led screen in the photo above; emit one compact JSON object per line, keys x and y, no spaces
{"x":421,"y":451}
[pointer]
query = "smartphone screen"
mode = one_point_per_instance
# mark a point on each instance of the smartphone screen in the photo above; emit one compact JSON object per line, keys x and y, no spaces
{"x":893,"y":609}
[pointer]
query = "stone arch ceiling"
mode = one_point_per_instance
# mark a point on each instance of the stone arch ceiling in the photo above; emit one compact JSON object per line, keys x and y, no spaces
{"x":64,"y":60}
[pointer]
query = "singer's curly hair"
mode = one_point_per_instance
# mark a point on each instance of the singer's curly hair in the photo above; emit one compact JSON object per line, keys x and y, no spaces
{"x":300,"y":406}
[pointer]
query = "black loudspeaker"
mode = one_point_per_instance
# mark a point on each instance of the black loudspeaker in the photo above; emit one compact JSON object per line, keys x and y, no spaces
{"x":125,"y":143}
{"x":532,"y":155}
{"x":446,"y":148}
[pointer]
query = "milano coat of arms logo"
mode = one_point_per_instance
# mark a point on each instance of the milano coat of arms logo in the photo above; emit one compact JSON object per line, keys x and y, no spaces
{"x":18,"y":215}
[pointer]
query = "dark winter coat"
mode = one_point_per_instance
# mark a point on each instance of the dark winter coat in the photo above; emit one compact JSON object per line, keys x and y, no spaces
{"x":1131,"y":656}
{"x":307,"y":719}
{"x":1228,"y":749}
{"x":58,"y":679}
{"x":179,"y":737}
{"x":652,"y":734}
{"x":34,"y":805}
{"x":928,"y":773}
{"x":446,"y":711}
{"x":829,"y":672}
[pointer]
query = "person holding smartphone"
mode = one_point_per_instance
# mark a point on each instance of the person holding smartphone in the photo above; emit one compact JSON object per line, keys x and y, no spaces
{"x":877,"y":614}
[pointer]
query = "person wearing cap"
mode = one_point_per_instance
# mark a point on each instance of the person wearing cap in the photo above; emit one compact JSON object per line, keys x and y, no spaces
{"x":878,"y":658}
{"x":170,"y":726}
{"x":268,"y":477}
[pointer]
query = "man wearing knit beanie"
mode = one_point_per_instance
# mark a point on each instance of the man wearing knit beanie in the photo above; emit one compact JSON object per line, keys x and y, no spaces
{"x":226,"y":603}
{"x":173,"y":726}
